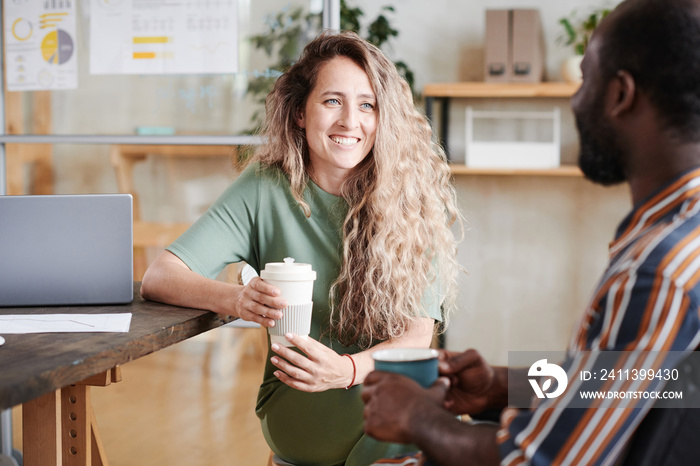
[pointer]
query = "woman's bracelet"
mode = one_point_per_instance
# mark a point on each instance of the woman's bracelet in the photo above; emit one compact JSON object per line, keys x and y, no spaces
{"x":354,"y":370}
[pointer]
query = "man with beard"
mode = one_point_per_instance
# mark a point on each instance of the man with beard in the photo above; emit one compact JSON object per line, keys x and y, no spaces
{"x":638,"y":117}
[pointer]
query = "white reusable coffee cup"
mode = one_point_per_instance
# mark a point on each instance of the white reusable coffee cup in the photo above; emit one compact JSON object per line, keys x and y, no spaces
{"x":296,"y":282}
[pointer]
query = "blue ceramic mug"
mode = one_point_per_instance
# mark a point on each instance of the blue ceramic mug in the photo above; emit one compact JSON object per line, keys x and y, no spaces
{"x":420,"y":364}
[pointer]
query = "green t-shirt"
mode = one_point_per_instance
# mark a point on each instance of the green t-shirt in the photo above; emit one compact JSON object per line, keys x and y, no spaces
{"x":257,"y":220}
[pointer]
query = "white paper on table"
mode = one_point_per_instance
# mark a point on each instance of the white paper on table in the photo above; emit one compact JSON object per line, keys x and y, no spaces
{"x":64,"y":323}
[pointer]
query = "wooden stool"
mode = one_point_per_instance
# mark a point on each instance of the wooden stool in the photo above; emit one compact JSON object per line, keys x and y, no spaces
{"x":152,"y":235}
{"x":155,"y":234}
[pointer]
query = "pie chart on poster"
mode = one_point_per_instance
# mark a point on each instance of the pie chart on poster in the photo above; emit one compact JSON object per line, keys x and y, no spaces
{"x":57,"y":47}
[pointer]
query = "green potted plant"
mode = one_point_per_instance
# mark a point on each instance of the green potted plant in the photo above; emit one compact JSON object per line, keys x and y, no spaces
{"x":577,"y":33}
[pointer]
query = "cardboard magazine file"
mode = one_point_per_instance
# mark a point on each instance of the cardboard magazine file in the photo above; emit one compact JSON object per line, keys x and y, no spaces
{"x":497,"y":50}
{"x":514,"y":46}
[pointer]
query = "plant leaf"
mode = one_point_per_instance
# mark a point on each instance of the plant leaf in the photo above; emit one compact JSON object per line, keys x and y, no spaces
{"x":569,"y":29}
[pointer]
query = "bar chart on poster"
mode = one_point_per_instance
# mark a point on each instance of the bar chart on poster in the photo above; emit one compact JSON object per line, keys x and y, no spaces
{"x":190,"y":36}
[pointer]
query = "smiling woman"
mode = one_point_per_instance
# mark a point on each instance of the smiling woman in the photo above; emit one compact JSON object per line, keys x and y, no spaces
{"x":350,"y":182}
{"x":340,"y":122}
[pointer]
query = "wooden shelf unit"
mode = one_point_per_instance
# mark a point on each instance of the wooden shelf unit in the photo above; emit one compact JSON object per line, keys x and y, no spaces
{"x":564,"y":170}
{"x":443,"y":92}
{"x":494,"y":90}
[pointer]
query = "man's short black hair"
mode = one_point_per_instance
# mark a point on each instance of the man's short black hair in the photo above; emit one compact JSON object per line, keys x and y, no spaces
{"x":658,"y":42}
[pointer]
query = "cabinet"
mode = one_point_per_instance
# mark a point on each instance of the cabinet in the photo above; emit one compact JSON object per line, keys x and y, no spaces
{"x":444,"y":92}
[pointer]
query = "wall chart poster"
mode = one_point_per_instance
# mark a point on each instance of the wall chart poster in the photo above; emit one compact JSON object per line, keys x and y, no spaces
{"x":163,"y":36}
{"x":40,"y":45}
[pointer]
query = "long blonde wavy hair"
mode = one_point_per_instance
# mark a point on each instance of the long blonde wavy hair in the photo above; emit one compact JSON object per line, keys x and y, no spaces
{"x":397,"y":238}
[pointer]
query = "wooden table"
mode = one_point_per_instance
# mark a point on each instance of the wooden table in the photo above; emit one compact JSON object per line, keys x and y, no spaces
{"x":51,"y":373}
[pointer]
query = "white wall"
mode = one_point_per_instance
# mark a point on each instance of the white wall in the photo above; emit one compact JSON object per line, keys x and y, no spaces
{"x":533,"y":252}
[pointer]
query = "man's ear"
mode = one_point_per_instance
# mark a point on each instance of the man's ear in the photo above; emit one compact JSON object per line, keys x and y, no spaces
{"x":622,"y":93}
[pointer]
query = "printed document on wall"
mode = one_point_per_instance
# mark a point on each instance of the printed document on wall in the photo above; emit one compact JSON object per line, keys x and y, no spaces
{"x":163,"y":37}
{"x":40,"y":45}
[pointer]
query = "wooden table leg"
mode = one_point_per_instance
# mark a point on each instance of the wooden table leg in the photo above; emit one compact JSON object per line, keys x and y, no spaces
{"x":76,"y":421}
{"x":59,"y":429}
{"x":41,"y":431}
{"x":99,"y":457}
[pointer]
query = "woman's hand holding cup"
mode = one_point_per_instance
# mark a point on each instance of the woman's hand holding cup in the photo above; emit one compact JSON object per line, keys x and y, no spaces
{"x":316,"y":368}
{"x":260,"y":302}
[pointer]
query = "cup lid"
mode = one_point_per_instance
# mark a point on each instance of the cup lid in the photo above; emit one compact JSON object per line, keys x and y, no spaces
{"x":288,"y":271}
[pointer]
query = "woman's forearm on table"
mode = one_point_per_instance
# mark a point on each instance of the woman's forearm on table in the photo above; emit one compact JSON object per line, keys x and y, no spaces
{"x":169,"y":280}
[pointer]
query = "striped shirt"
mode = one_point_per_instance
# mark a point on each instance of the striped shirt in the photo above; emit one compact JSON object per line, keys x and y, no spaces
{"x":647,"y":300}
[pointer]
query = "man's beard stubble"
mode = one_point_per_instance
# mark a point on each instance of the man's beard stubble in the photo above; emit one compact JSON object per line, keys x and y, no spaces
{"x":600,"y":156}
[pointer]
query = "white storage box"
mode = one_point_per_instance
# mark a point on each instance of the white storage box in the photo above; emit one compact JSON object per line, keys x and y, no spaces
{"x":513,"y":154}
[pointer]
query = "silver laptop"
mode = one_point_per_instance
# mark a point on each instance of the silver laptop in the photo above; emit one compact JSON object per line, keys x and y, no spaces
{"x":66,"y":250}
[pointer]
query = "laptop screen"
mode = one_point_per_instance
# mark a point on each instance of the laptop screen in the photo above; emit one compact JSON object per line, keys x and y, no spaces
{"x":66,"y":250}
